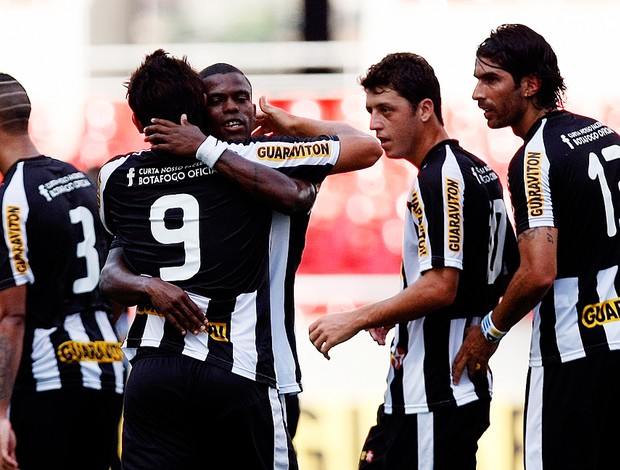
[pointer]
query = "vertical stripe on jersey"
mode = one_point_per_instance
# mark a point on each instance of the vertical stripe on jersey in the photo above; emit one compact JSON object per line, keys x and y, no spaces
{"x":436,"y":358}
{"x":220,"y":311}
{"x":281,"y":440}
{"x":533,"y":426}
{"x":279,"y":242}
{"x":536,"y":182}
{"x":395,"y":395}
{"x":606,"y":289}
{"x":70,"y":373}
{"x":44,"y":370}
{"x":104,"y":174}
{"x":453,"y":191}
{"x":51,"y":372}
{"x":418,"y":214}
{"x":589,"y":293}
{"x":263,"y":344}
{"x":14,"y":223}
{"x":108,"y":334}
{"x":426,"y":443}
{"x":558,"y":319}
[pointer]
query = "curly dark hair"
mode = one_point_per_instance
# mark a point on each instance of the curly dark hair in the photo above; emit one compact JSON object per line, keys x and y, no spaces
{"x":521,"y":51}
{"x":222,"y":68}
{"x":410,"y":75}
{"x":14,"y":105}
{"x":166,"y":87}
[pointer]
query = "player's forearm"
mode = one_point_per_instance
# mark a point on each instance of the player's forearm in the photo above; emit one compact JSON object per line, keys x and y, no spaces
{"x":12,"y":327}
{"x":279,"y":191}
{"x":11,"y":339}
{"x":357,"y":152}
{"x":433,"y":291}
{"x":521,"y":296}
{"x":535,"y":275}
{"x":121,"y":284}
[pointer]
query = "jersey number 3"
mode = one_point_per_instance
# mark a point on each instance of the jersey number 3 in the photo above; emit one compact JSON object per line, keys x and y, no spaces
{"x":86,"y":249}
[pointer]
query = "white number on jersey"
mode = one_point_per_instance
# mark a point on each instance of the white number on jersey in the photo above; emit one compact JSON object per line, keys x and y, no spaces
{"x":86,"y":249}
{"x":497,"y":234}
{"x":188,"y":233}
{"x":596,"y":171}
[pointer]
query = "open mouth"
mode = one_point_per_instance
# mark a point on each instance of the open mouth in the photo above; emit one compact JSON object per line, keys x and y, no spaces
{"x":233,"y":124}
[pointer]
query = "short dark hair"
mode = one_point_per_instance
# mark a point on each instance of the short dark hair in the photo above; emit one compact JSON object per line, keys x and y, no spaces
{"x":222,"y":68}
{"x":14,"y":105}
{"x":410,"y":75}
{"x":521,"y":51}
{"x":166,"y":87}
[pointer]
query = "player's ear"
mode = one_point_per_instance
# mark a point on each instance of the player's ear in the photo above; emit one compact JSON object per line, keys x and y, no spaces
{"x":137,"y":123}
{"x":530,"y":85}
{"x":426,"y":109}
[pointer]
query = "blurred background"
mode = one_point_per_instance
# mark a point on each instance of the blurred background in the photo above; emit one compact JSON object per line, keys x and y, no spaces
{"x":73,"y":57}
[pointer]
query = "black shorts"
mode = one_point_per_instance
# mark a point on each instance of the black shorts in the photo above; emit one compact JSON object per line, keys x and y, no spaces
{"x":446,"y":439}
{"x":182,"y":413}
{"x":73,"y":429}
{"x":572,"y":414}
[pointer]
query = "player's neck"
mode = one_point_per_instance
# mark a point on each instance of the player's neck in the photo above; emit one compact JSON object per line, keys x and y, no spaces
{"x":532,"y":115}
{"x":15,"y":148}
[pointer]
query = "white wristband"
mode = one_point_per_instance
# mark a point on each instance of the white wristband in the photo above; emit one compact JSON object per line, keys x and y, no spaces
{"x":210,"y":151}
{"x":490,"y":331}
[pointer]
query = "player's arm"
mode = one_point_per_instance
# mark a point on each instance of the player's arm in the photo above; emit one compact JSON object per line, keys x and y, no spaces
{"x":121,"y":284}
{"x":358,"y":150}
{"x":533,"y":278}
{"x":281,"y":192}
{"x":432,"y":291}
{"x":12,"y":327}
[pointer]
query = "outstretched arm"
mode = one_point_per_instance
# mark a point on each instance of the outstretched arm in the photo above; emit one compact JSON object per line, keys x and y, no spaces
{"x":281,"y":192}
{"x":124,"y":286}
{"x":12,"y":326}
{"x":432,"y":291}
{"x":359,"y":150}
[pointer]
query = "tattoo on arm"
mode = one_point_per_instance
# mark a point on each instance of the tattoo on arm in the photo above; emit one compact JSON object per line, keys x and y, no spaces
{"x":531,"y":233}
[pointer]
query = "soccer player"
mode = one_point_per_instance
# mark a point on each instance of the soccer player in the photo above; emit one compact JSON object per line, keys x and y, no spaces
{"x":232,"y":117}
{"x":61,"y":366}
{"x":564,"y":187}
{"x":458,"y":250}
{"x":184,"y":222}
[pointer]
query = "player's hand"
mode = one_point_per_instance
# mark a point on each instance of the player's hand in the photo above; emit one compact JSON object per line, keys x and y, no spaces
{"x":332,"y":329}
{"x":474,"y":354}
{"x":179,"y":139}
{"x":273,"y":120}
{"x":380,"y":333}
{"x":176,"y":306}
{"x":8,"y":460}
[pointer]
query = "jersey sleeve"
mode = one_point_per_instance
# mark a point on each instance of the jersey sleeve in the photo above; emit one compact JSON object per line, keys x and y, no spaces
{"x":311,"y":159}
{"x":528,"y":178}
{"x":104,"y":192}
{"x":441,"y":211}
{"x":15,"y":267}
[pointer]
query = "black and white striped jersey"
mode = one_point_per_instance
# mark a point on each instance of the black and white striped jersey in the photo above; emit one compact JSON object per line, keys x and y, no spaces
{"x":54,"y":242}
{"x":287,"y":241}
{"x":456,"y":218}
{"x":182,"y":222}
{"x":566,"y":175}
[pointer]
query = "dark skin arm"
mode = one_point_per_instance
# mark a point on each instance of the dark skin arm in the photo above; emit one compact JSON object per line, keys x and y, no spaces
{"x":124,"y":286}
{"x":12,"y":327}
{"x":282,"y":193}
{"x":359,"y":150}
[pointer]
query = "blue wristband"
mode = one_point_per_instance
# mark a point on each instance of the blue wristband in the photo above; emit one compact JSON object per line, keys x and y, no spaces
{"x":490,"y":331}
